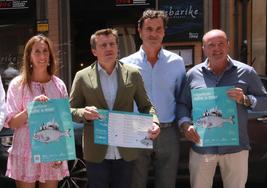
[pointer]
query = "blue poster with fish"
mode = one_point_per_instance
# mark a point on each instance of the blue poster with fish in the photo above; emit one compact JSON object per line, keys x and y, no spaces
{"x":51,"y":131}
{"x":215,"y":117}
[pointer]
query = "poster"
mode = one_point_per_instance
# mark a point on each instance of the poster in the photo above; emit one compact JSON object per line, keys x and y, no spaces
{"x":51,"y":131}
{"x":123,"y":129}
{"x":215,"y":117}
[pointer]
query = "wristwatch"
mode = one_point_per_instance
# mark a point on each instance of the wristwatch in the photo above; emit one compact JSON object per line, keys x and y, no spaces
{"x":246,"y":101}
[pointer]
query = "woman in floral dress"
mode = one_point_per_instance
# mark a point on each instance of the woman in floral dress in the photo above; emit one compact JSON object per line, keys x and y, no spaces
{"x":36,"y":82}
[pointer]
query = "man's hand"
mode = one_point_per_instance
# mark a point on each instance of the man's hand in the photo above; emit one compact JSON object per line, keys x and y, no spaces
{"x":236,"y":94}
{"x":90,"y":113}
{"x":154,"y":131}
{"x":190,"y":132}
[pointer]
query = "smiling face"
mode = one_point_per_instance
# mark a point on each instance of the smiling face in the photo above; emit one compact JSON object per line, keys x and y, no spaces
{"x":215,"y":46}
{"x":152,"y":32}
{"x":40,"y":55}
{"x":106,"y":49}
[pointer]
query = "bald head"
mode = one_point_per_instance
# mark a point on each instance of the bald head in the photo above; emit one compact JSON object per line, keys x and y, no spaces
{"x":213,"y":33}
{"x":215,"y":47}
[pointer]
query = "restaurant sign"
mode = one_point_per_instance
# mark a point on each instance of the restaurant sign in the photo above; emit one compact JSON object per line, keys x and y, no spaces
{"x":14,"y":4}
{"x":185,"y":19}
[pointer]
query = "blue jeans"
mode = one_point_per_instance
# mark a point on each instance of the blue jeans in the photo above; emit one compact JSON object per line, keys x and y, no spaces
{"x":109,"y":174}
{"x":164,"y":157}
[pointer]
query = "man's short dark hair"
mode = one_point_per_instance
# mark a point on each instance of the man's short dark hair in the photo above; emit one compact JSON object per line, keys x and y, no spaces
{"x":107,"y":31}
{"x":151,"y":14}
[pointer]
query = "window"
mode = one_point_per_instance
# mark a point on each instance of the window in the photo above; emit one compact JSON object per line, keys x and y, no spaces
{"x":13,"y":38}
{"x":187,"y":53}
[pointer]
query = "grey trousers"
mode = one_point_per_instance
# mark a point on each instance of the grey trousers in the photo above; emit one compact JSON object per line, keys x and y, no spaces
{"x":163,"y":158}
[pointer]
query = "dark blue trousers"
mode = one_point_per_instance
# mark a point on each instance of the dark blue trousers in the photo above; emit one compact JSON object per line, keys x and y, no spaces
{"x":109,"y":174}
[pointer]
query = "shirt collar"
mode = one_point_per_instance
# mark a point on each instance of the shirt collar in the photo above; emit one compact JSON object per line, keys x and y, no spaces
{"x":100,"y":68}
{"x":143,"y":53}
{"x":230,"y":64}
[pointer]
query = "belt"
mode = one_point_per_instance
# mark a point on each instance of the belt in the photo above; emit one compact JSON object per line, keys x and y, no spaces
{"x":166,"y":125}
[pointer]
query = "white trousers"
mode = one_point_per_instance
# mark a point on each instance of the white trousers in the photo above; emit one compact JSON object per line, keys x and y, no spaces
{"x":233,"y":168}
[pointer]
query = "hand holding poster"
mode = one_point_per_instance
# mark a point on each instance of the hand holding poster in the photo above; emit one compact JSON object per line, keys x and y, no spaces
{"x":51,"y":131}
{"x":215,"y":117}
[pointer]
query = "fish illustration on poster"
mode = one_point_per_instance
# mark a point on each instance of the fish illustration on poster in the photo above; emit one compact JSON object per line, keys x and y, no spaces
{"x":215,"y":116}
{"x":51,"y":131}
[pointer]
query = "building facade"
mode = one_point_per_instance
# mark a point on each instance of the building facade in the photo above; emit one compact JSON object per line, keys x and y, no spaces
{"x":69,"y":24}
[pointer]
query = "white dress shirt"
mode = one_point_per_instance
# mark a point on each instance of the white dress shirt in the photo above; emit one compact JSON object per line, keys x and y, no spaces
{"x":109,"y":84}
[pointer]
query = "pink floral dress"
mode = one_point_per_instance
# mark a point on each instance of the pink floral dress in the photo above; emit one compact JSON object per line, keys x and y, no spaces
{"x":20,"y":166}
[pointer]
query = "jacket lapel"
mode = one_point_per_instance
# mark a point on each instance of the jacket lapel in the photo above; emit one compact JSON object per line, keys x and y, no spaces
{"x":122,"y":80}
